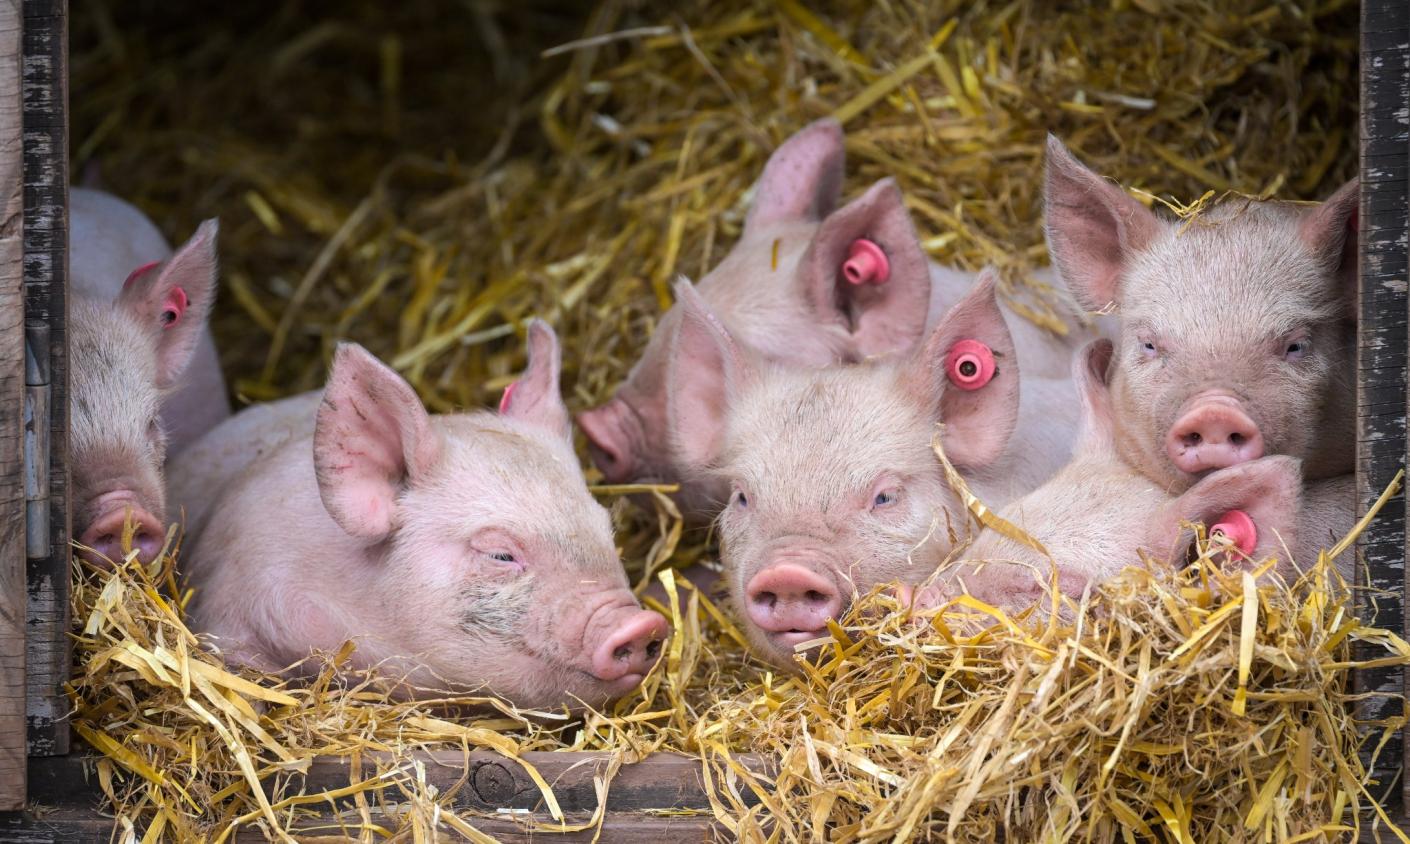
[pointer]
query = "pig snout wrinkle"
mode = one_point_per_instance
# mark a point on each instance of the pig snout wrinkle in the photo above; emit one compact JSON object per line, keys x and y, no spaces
{"x":631,"y":649}
{"x":104,"y":534}
{"x":792,"y":602}
{"x":1214,"y":433}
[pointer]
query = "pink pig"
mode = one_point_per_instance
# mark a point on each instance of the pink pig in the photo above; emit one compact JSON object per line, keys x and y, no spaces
{"x":144,"y":377}
{"x":1098,"y":515}
{"x":460,"y":551}
{"x":1236,"y":331}
{"x":807,"y":284}
{"x":834,"y":486}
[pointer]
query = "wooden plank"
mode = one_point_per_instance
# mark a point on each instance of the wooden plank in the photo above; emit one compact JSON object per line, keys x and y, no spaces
{"x":490,"y":789}
{"x":1381,"y":356}
{"x":45,"y":109}
{"x":12,"y":390}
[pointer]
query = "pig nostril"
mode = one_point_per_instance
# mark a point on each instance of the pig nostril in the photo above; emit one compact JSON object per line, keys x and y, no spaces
{"x":622,"y":652}
{"x":815,"y":597}
{"x":767,"y":599}
{"x":1236,"y":439}
{"x":1191,"y":440}
{"x":653,"y":649}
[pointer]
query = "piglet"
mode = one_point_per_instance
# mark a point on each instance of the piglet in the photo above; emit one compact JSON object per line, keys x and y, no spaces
{"x":459,"y":551}
{"x":1236,"y":330}
{"x":1098,"y":515}
{"x":137,"y":331}
{"x":808,"y":284}
{"x":833,"y":483}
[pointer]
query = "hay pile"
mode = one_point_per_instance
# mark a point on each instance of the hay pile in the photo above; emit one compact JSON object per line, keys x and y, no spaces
{"x":416,"y":177}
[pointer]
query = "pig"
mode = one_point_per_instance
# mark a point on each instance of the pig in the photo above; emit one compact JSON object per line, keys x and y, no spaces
{"x":834,"y":486}
{"x":132,"y":346}
{"x":1098,"y":515}
{"x":807,"y":284}
{"x":460,"y":551}
{"x":1236,"y":330}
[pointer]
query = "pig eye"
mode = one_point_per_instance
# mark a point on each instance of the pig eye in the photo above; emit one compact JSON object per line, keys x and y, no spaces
{"x":741,"y":500}
{"x":502,"y":556}
{"x":1148,"y":349}
{"x":885,"y":498}
{"x":1296,"y":350}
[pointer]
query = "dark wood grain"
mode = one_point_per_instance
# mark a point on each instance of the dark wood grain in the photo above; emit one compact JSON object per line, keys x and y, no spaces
{"x":45,"y":110}
{"x":12,"y":391}
{"x":1381,"y":354}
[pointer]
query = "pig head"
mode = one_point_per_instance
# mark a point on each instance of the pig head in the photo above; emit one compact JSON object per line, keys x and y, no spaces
{"x":126,"y":357}
{"x":833,"y":484}
{"x":458,"y":551}
{"x":1098,"y":515}
{"x":807,"y":283}
{"x":1237,"y":328}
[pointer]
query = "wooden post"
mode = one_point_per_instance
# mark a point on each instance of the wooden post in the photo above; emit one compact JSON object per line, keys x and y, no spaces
{"x":45,"y":70}
{"x":1381,"y":353}
{"x":12,"y":394}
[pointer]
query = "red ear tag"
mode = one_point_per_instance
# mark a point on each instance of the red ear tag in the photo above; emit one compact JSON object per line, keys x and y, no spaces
{"x":1238,"y":528}
{"x":138,"y":273}
{"x":970,"y":364}
{"x":866,"y":263}
{"x":508,"y":391}
{"x":174,"y":307}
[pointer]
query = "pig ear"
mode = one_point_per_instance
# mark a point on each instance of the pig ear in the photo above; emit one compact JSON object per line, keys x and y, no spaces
{"x":1093,"y":227}
{"x":865,"y":270}
{"x":1330,"y":232}
{"x":978,"y":404}
{"x":372,"y":436}
{"x":706,"y":368}
{"x":535,"y":397}
{"x":174,"y":299}
{"x":802,"y":179}
{"x":1089,"y":373}
{"x":1267,"y":490}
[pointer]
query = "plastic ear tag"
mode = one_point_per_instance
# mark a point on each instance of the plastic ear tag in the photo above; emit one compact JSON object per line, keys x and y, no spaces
{"x":970,"y":364}
{"x":138,"y":273}
{"x":174,"y":307}
{"x":866,"y":263}
{"x":1237,"y":526}
{"x":504,"y":399}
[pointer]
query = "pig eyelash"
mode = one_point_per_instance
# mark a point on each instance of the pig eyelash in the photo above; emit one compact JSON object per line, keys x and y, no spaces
{"x":503,"y":557}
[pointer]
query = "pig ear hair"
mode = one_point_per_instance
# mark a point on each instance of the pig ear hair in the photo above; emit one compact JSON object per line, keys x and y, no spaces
{"x":1089,"y":372}
{"x":371,"y":436}
{"x":803,"y":178}
{"x":1268,"y":490}
{"x":883,"y":306}
{"x":174,"y":300}
{"x":1092,"y":226}
{"x":978,"y":421}
{"x":706,"y":367}
{"x":535,"y":397}
{"x":1330,"y":232}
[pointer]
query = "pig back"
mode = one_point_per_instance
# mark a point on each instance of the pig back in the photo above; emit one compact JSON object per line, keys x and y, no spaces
{"x":203,"y":472}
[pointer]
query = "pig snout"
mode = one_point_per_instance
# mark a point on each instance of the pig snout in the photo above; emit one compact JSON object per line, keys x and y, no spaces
{"x":1213,"y":432}
{"x":612,"y":432}
{"x":631,"y":647}
{"x":791,"y":602}
{"x":104,"y":533}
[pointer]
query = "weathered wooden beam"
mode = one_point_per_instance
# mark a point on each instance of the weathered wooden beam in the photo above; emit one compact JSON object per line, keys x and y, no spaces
{"x":660,"y":798}
{"x":12,"y":396}
{"x":45,"y":114}
{"x":1381,"y":354}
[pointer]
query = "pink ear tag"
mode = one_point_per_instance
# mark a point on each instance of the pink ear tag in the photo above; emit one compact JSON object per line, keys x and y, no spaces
{"x":138,"y":273}
{"x":866,"y":263}
{"x":508,"y":391}
{"x":1238,"y":528}
{"x":174,"y":307}
{"x":970,"y":364}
